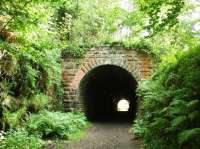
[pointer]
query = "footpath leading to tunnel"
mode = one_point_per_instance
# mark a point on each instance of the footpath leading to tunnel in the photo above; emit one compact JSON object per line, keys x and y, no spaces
{"x":106,"y":136}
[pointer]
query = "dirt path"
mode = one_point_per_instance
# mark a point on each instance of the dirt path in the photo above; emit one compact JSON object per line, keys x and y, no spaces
{"x":106,"y":136}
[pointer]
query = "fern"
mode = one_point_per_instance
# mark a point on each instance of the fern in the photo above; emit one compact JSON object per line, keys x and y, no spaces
{"x":159,"y":123}
{"x":192,"y":105}
{"x":187,"y":135}
{"x":194,"y":115}
{"x":170,"y":113}
{"x":56,"y":124}
{"x":178,"y":121}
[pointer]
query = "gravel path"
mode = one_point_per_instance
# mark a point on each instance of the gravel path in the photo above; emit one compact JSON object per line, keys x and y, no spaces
{"x":106,"y":136}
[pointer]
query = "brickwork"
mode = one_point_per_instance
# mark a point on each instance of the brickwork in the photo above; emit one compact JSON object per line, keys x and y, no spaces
{"x":139,"y":65}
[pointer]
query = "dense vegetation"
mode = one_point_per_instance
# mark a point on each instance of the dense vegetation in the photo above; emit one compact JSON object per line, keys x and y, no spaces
{"x":42,"y":126}
{"x":30,"y":75}
{"x":34,"y":34}
{"x":168,"y":116}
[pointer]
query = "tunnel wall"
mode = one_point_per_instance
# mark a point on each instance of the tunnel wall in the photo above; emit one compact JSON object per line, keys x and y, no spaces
{"x":140,"y":65}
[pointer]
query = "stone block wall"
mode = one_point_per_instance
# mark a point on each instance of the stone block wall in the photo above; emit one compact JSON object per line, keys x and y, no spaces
{"x":138,"y":64}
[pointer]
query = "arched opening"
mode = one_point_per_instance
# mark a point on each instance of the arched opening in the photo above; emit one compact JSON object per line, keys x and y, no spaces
{"x":123,"y":105}
{"x":103,"y":88}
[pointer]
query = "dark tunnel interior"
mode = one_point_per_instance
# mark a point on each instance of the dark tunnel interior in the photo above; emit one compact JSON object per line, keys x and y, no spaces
{"x":102,"y":88}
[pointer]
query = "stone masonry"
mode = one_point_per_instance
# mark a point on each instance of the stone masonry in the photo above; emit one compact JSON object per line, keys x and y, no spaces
{"x":138,"y":64}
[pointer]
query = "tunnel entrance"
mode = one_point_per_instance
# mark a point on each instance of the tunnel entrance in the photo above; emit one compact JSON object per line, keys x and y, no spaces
{"x":103,"y":88}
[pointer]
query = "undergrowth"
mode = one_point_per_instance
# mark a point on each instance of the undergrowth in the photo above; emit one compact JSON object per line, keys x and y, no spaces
{"x":169,"y":107}
{"x":56,"y":124}
{"x":44,"y":126}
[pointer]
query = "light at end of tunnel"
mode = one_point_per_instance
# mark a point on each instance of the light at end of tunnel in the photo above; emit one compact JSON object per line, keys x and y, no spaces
{"x":123,"y":105}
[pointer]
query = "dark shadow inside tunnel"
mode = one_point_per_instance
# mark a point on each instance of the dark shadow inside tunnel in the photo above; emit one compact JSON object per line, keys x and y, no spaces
{"x":103,"y":89}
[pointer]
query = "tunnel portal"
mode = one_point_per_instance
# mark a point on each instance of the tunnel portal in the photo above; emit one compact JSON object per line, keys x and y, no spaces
{"x":103,"y":87}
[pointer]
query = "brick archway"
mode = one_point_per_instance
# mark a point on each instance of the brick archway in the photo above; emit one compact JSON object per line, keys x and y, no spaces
{"x":138,"y":64}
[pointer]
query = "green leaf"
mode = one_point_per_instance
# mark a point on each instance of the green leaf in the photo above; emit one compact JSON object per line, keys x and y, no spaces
{"x":178,"y":121}
{"x":194,"y":104}
{"x":194,"y":115}
{"x":187,"y":135}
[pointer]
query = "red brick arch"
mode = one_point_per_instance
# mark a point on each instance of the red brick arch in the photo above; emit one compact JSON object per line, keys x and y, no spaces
{"x":139,"y":65}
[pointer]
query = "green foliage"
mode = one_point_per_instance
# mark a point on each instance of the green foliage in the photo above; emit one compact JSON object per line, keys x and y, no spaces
{"x":20,"y":139}
{"x":34,"y":34}
{"x":188,"y":136}
{"x":29,"y":41}
{"x":14,"y":119}
{"x":169,"y":116}
{"x":163,"y":14}
{"x":96,"y":21}
{"x":138,"y":128}
{"x":141,"y":46}
{"x":39,"y":102}
{"x":159,"y":23}
{"x":56,"y":124}
{"x":15,"y":111}
{"x":30,"y":64}
{"x":74,"y":50}
{"x":45,"y":125}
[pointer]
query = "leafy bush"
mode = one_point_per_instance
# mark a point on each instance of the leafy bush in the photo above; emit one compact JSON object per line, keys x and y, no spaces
{"x":169,"y":115}
{"x":14,"y":119}
{"x":45,"y":124}
{"x":74,"y":50}
{"x":30,"y":62}
{"x":39,"y":102}
{"x":15,"y":111}
{"x":20,"y":139}
{"x":138,"y":128}
{"x":56,"y":124}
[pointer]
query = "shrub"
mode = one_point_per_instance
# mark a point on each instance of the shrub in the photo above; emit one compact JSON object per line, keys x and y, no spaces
{"x":56,"y":124}
{"x":39,"y":102}
{"x":169,"y":115}
{"x":16,"y":110}
{"x":20,"y":139}
{"x":74,"y":50}
{"x":14,"y":119}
